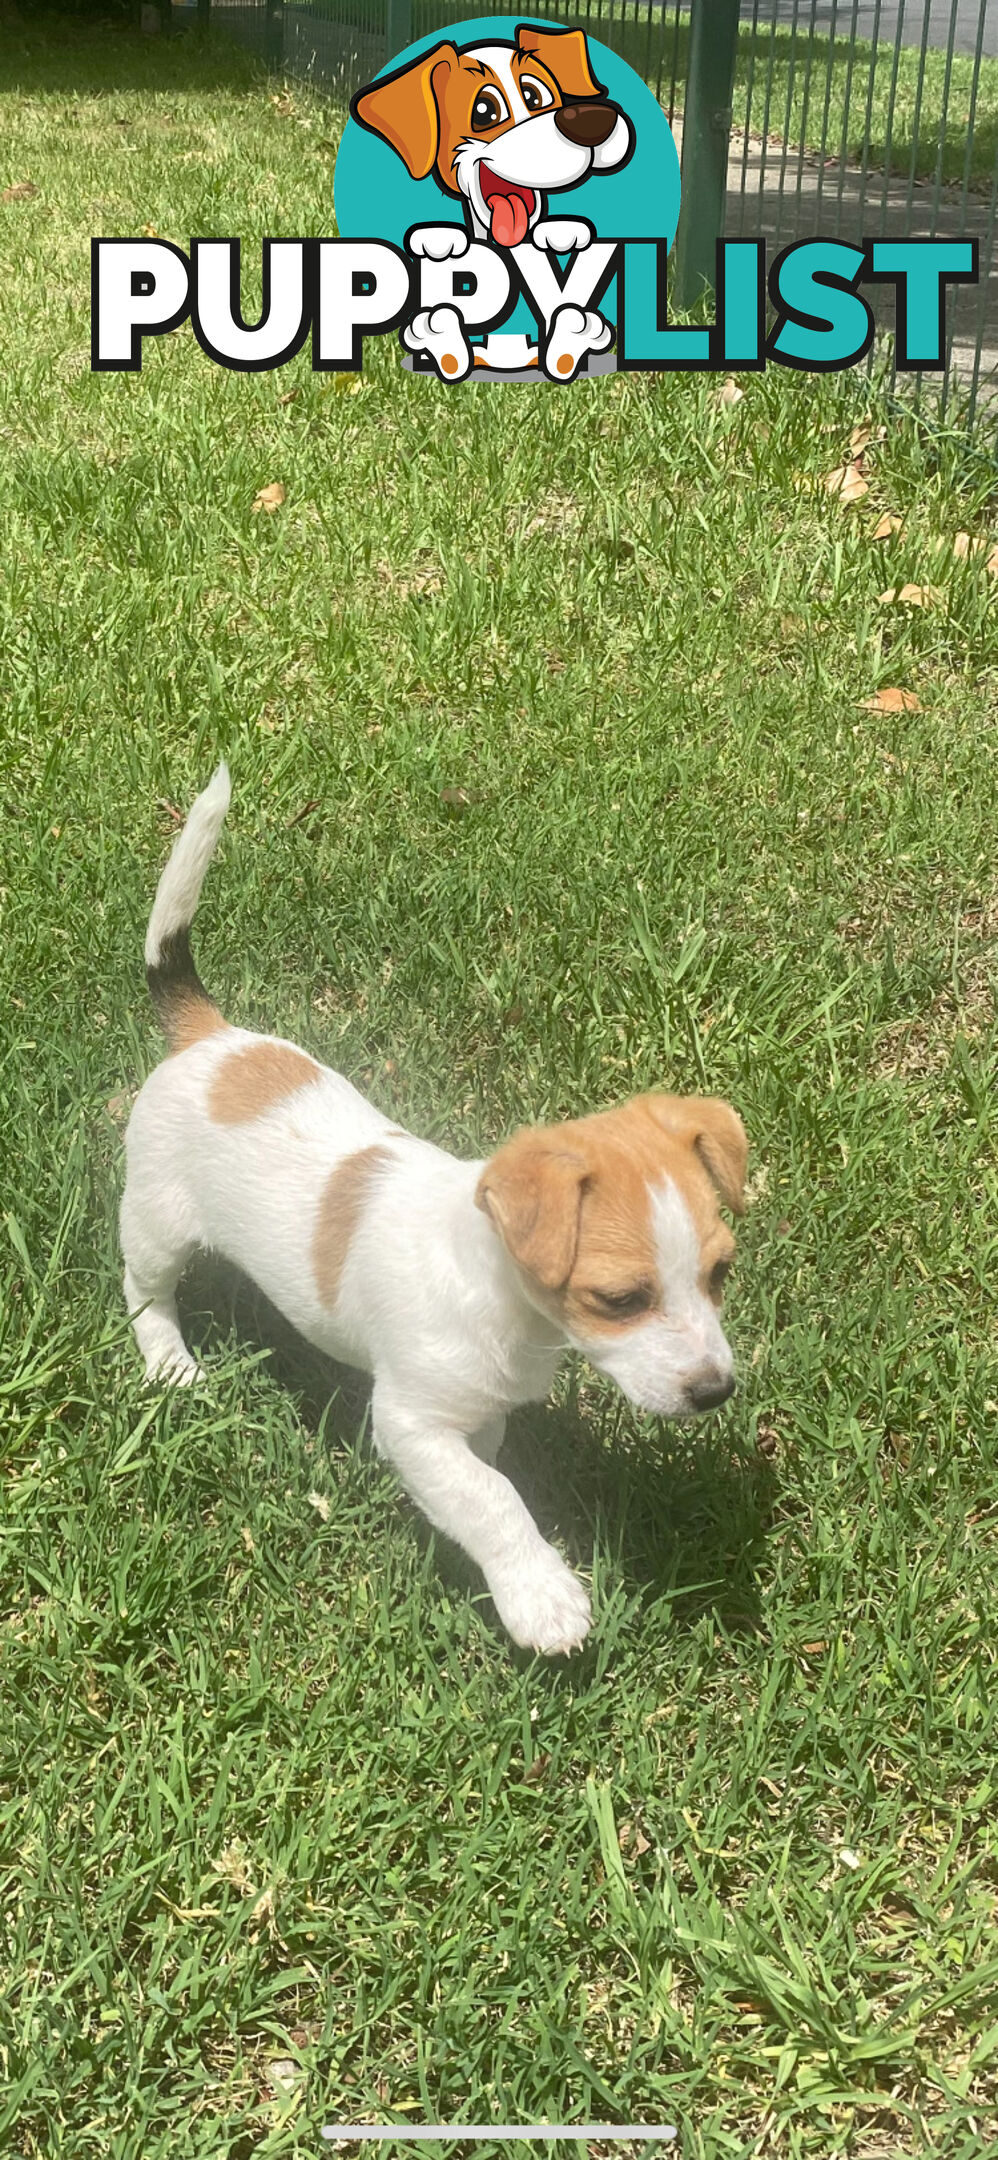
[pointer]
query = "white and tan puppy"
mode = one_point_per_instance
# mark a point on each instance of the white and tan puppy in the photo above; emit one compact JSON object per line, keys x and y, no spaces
{"x":459,"y":1285}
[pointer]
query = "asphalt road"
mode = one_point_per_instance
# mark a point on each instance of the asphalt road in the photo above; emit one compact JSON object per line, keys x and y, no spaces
{"x":964,"y":15}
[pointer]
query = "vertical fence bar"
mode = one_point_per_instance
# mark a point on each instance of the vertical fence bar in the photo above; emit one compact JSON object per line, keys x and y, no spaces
{"x":846,"y":97}
{"x":989,"y":247}
{"x":204,"y":12}
{"x":274,"y":35}
{"x":706,"y":132}
{"x":673,"y":64}
{"x":983,"y":267}
{"x":767,"y":106}
{"x":749,"y":85}
{"x":937,"y":185}
{"x":891,"y":105}
{"x":825,"y":111}
{"x":398,"y":26}
{"x":788,"y":121}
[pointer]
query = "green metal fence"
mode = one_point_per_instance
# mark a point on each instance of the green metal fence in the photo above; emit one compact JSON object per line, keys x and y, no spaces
{"x":796,"y":118}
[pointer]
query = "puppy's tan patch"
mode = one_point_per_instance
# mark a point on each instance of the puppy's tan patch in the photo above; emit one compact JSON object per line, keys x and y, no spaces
{"x":339,"y":1213}
{"x":253,"y":1079}
{"x":572,"y":1203}
{"x":189,"y":1018}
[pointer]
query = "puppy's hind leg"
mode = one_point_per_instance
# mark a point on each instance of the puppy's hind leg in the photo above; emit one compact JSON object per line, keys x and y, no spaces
{"x":156,"y":1249}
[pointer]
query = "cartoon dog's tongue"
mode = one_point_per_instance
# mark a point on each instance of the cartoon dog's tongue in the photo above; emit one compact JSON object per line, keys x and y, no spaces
{"x":509,"y":208}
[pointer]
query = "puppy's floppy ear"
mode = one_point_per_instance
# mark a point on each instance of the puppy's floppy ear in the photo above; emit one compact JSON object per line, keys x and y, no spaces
{"x":715,"y":1133}
{"x":403,"y":108}
{"x":532,"y":1193}
{"x":565,"y":54}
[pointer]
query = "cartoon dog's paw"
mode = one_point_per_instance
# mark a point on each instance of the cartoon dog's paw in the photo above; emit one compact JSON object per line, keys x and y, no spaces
{"x":563,"y":236}
{"x":574,"y":332}
{"x":437,"y":241}
{"x":439,"y":331}
{"x":542,"y":1605}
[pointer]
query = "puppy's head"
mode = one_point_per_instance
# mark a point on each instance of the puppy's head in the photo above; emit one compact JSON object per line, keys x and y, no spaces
{"x":499,"y":124}
{"x":614,"y":1225}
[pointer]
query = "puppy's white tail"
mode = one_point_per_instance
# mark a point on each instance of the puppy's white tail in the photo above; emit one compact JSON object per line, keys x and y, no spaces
{"x":183,"y":1007}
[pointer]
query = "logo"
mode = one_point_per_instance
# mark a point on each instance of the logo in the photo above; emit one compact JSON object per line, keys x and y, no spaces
{"x":496,"y":159}
{"x":507,"y":194}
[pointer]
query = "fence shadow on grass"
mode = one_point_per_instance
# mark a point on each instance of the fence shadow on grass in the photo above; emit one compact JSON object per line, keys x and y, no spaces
{"x":59,"y":58}
{"x":686,"y":1521}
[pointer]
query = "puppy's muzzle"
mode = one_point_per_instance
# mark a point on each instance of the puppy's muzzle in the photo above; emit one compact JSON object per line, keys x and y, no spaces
{"x":709,"y":1388}
{"x":588,"y":124}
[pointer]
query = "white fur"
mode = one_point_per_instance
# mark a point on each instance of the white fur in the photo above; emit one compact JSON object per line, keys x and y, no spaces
{"x":428,"y":1300}
{"x":657,"y":1363}
{"x":179,"y":888}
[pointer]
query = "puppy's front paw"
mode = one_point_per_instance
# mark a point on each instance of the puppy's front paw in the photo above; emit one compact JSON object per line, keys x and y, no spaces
{"x":563,"y":236}
{"x":543,"y":1605}
{"x":437,"y":242}
{"x":176,"y":1369}
{"x":574,"y":332}
{"x":439,"y":332}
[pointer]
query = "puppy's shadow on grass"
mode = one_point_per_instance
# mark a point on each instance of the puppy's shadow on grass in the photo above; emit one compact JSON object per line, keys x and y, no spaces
{"x":678,"y":1512}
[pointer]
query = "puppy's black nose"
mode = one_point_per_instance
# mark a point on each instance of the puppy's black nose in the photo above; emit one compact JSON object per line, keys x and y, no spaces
{"x":589,"y":124}
{"x":710,"y":1388}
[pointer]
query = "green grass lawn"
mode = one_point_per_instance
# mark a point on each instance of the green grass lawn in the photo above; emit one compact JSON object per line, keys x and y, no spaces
{"x":554,"y":779}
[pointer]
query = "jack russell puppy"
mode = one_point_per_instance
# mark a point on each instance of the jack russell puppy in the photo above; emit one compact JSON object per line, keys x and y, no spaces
{"x":500,"y":127}
{"x":459,"y":1285}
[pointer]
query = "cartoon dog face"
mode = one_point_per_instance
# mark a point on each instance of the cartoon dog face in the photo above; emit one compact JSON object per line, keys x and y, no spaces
{"x":500,"y":125}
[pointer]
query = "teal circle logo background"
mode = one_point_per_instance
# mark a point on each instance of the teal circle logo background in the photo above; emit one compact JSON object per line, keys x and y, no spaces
{"x":375,"y":197}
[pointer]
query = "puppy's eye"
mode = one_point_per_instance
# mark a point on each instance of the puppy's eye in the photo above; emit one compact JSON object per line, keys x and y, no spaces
{"x":624,"y":1304}
{"x":488,"y":110}
{"x":536,"y":95}
{"x":718,"y":1277}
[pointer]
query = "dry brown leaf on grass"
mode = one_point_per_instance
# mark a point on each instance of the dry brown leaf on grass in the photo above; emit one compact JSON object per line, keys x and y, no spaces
{"x":270,"y":498}
{"x":320,"y":1503}
{"x":290,"y":395}
{"x":887,"y":525}
{"x":730,"y":393}
{"x":22,"y":191}
{"x":911,"y":596}
{"x":863,"y":434}
{"x":632,"y":1840}
{"x":967,"y":545}
{"x":848,"y":483}
{"x":892,"y":700}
